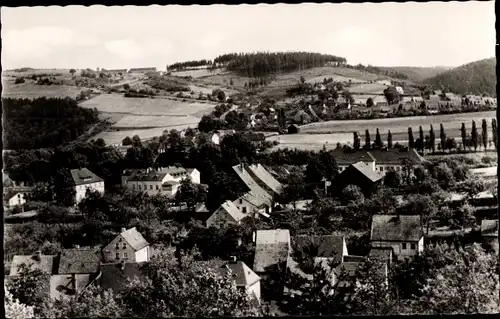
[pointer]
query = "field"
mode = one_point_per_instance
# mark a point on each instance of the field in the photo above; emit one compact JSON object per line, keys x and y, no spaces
{"x":145,"y":117}
{"x":31,"y":90}
{"x":368,"y":88}
{"x":315,"y":135}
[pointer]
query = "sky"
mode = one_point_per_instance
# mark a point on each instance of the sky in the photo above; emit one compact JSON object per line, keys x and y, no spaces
{"x":385,"y":34}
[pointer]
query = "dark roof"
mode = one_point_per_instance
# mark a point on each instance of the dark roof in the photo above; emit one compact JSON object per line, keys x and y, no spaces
{"x":67,"y":285}
{"x":241,"y":273}
{"x":489,"y":227}
{"x":152,"y":174}
{"x":45,"y":263}
{"x":352,"y":258}
{"x":272,"y":247}
{"x":395,"y":156}
{"x":367,"y":171}
{"x":134,"y":239}
{"x":394,"y":228}
{"x":328,"y":246}
{"x":350,"y":157}
{"x":84,"y":260}
{"x":84,"y":176}
{"x":114,"y":275}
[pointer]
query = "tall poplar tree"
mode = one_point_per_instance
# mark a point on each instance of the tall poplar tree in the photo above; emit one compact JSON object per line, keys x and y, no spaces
{"x":411,"y":140}
{"x":367,"y":140}
{"x":432,"y":139}
{"x":463,"y":132}
{"x":378,"y":140}
{"x":484,"y":135}
{"x":389,"y":139}
{"x":494,"y":132}
{"x":442,"y":135}
{"x":474,"y":136}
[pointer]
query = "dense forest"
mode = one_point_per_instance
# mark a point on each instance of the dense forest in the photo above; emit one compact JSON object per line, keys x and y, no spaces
{"x":380,"y":71}
{"x":44,"y":122}
{"x":415,"y":74}
{"x":262,"y":64}
{"x":169,"y":84}
{"x":178,"y":66}
{"x":474,"y":78}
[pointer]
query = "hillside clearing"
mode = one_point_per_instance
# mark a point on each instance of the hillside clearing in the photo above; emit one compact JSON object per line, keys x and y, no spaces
{"x":31,"y":90}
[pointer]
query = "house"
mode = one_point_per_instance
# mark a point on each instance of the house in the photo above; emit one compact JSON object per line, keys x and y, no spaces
{"x":381,"y":254}
{"x":244,"y":278}
{"x":360,"y":174}
{"x":489,"y":231}
{"x":13,"y":199}
{"x":84,"y":179}
{"x":327,"y":246}
{"x":226,"y":214}
{"x":402,"y":233}
{"x":128,"y":245}
{"x":256,"y":199}
{"x":85,"y":260}
{"x":164,"y":180}
{"x":44,"y":263}
{"x":219,"y":134}
{"x":399,"y":90}
{"x":264,"y":179}
{"x":115,"y":276}
{"x":385,"y":82}
{"x":142,"y":70}
{"x":272,"y":249}
{"x":301,"y":117}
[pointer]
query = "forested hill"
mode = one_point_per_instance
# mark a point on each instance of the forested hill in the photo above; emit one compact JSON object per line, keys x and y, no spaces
{"x":474,"y":78}
{"x":415,"y":74}
{"x":264,"y":64}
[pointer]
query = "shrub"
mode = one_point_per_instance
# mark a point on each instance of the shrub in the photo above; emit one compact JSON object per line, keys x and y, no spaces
{"x":487,"y":160}
{"x":19,"y":81}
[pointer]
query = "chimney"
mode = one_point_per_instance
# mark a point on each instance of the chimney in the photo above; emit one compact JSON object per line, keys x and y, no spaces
{"x":123,"y":229}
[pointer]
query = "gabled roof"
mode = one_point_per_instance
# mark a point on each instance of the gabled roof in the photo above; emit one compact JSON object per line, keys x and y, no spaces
{"x":395,"y":156}
{"x":350,"y":157}
{"x":134,"y":239}
{"x":232,"y":210}
{"x":10,"y":194}
{"x":84,"y":176}
{"x":489,"y":227}
{"x":259,"y":172}
{"x":367,"y":171}
{"x":256,"y":195}
{"x":114,"y":275}
{"x":64,"y":285}
{"x":271,"y":247}
{"x":84,"y":260}
{"x":328,"y":246}
{"x":241,"y":273}
{"x":45,"y":263}
{"x":394,"y":228}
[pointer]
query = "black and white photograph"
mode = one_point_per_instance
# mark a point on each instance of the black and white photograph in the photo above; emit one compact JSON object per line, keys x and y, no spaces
{"x":250,"y":160}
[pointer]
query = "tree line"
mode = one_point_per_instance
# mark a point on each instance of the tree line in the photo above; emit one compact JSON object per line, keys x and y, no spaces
{"x":262,"y":64}
{"x":44,"y":122}
{"x":178,"y":66}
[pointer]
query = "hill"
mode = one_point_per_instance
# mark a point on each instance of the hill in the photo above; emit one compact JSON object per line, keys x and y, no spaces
{"x":415,"y":74}
{"x":474,"y":78}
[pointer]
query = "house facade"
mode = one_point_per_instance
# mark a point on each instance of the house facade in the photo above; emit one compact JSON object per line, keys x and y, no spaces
{"x":13,"y":199}
{"x":83,"y":180}
{"x":128,"y":246}
{"x":164,"y":180}
{"x":225,"y":215}
{"x":403,"y":234}
{"x":219,"y":134}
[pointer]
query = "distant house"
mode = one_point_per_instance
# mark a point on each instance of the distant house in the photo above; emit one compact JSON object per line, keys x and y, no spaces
{"x":219,"y":134}
{"x":226,"y":214}
{"x":272,"y":249}
{"x":293,"y":129}
{"x":402,"y":233}
{"x":244,"y":278}
{"x":362,"y":175}
{"x":38,"y":261}
{"x":385,"y":82}
{"x":84,"y":179}
{"x":163,"y":180}
{"x":114,"y":276}
{"x":332,"y":247}
{"x":129,"y":245}
{"x":489,"y":231}
{"x":142,"y":70}
{"x":116,"y":71}
{"x":13,"y":199}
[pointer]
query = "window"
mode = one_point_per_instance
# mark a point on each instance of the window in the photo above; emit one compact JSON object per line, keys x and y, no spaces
{"x":381,"y":168}
{"x":124,"y":246}
{"x":150,"y":186}
{"x":241,"y":201}
{"x":157,"y":188}
{"x":125,"y":255}
{"x":244,"y":210}
{"x":413,"y":246}
{"x":404,"y":245}
{"x":117,"y":255}
{"x":133,"y":186}
{"x":117,"y":246}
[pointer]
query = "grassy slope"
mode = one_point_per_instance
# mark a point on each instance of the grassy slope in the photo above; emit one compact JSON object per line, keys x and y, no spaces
{"x":475,"y":78}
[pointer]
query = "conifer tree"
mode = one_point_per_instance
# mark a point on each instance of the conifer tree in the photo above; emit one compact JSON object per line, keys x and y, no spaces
{"x":378,"y":140}
{"x":367,"y":140}
{"x":463,"y":132}
{"x":474,"y":136}
{"x":484,"y":134}
{"x":494,"y":132}
{"x":389,"y":139}
{"x":411,"y":141}
{"x":442,"y":135}
{"x":432,"y":139}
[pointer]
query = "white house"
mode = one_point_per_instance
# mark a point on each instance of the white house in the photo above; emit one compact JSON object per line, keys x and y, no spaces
{"x":129,"y":246}
{"x":13,"y":199}
{"x":226,"y":214}
{"x":402,"y":233}
{"x":219,"y":134}
{"x":84,"y":179}
{"x":164,"y":180}
{"x":400,"y":90}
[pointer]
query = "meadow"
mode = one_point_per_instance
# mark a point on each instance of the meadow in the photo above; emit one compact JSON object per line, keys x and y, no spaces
{"x":368,"y":88}
{"x":31,"y":90}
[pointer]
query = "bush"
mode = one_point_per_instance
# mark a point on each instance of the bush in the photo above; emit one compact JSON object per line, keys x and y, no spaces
{"x":487,"y":160}
{"x":19,"y":81}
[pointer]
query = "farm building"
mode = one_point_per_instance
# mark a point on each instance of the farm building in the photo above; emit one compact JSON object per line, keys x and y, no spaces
{"x":360,"y":174}
{"x":293,"y":129}
{"x":142,"y":70}
{"x":225,"y":215}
